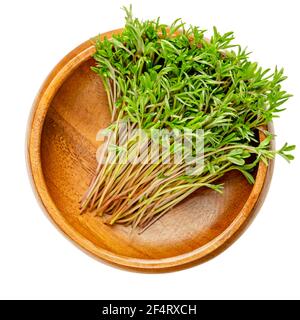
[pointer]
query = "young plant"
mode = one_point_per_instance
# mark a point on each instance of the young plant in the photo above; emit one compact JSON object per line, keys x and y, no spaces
{"x":173,"y":78}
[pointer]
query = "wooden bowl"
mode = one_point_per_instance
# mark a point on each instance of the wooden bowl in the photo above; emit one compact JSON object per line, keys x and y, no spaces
{"x":67,"y":113}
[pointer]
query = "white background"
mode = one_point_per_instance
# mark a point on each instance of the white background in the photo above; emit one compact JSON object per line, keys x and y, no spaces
{"x":36,"y":261}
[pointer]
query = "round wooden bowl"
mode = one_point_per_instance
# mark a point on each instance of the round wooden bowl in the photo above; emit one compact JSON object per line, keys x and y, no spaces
{"x":67,"y":113}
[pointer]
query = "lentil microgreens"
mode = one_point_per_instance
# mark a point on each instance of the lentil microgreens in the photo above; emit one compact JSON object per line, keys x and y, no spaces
{"x":173,"y":78}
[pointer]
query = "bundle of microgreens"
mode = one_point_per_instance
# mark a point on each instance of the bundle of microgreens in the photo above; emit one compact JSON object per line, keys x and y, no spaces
{"x":173,"y":78}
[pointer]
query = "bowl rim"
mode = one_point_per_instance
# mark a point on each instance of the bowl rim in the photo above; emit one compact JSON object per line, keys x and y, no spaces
{"x":34,"y":165}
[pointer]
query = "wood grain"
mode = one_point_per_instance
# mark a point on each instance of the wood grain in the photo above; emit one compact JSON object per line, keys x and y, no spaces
{"x":67,"y":113}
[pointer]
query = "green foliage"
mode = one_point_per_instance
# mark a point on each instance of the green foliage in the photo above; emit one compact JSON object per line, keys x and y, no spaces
{"x":174,"y":78}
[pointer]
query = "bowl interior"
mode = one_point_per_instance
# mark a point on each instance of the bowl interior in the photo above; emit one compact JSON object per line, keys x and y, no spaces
{"x":68,"y":149}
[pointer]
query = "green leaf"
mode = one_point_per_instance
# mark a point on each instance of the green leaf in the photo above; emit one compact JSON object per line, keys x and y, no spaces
{"x":266,"y":141}
{"x":236,"y":161}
